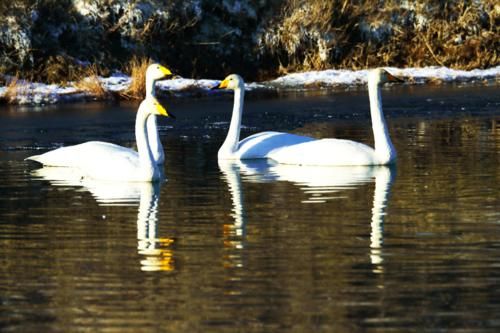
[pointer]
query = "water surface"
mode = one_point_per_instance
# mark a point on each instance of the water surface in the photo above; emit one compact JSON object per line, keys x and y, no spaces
{"x":257,"y":247}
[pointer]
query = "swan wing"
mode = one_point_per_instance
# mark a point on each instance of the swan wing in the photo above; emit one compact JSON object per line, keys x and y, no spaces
{"x":327,"y":152}
{"x":97,"y":160}
{"x":81,"y":154}
{"x":260,"y":145}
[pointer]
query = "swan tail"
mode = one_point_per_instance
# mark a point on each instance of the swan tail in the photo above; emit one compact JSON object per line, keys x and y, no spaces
{"x":45,"y":160}
{"x":36,"y":158}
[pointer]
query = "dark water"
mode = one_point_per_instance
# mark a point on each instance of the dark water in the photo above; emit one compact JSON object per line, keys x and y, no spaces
{"x":256,"y":247}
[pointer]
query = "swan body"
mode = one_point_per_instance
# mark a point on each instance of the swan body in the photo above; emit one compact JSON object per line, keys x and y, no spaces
{"x":106,"y":161}
{"x":339,"y":152}
{"x":77,"y":155}
{"x":288,"y":148}
{"x":260,"y":145}
{"x":328,"y":152}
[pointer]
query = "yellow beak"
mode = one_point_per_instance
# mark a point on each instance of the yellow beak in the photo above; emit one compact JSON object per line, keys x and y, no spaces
{"x":162,"y":111}
{"x":223,"y":84}
{"x":165,"y":70}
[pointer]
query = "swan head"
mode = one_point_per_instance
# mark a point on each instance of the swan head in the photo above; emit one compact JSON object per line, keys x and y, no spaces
{"x":157,"y":72}
{"x":380,"y":76}
{"x":232,"y":82}
{"x":152,"y":106}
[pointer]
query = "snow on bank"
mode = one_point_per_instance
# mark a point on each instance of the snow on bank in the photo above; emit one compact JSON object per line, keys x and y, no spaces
{"x":29,"y":93}
{"x":39,"y":94}
{"x":116,"y":82}
{"x":333,"y":77}
{"x":181,"y":85}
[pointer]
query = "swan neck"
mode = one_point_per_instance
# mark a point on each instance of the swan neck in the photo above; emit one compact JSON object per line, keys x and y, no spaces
{"x":154,"y":140}
{"x":141,"y":137}
{"x":383,"y":145}
{"x":233,"y":135}
{"x":150,"y":86}
{"x":153,"y":135}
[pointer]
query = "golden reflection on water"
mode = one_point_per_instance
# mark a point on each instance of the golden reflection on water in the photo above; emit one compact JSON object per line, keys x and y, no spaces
{"x":261,"y":248}
{"x":156,"y":251}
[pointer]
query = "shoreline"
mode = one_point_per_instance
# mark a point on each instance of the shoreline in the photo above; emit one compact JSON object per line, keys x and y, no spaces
{"x":40,"y":94}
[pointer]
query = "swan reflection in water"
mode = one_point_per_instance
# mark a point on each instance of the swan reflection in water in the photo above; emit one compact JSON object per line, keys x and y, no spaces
{"x":234,"y":234}
{"x":156,"y":252}
{"x":319,"y":183}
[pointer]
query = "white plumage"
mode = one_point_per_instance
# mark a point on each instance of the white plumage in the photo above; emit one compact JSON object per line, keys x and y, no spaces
{"x":107,"y":161}
{"x":288,"y":148}
{"x":72,"y":156}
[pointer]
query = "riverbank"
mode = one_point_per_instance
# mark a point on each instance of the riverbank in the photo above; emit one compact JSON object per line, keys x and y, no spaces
{"x":114,"y":86}
{"x":55,"y":41}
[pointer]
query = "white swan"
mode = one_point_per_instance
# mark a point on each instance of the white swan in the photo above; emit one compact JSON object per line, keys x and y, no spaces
{"x":71,"y":158}
{"x":295,"y":149}
{"x":107,"y":161}
{"x":155,"y":72}
{"x":258,"y":145}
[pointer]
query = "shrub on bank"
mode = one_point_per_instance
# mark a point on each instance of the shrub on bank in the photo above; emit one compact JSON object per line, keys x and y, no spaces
{"x":319,"y":34}
{"x":55,"y":40}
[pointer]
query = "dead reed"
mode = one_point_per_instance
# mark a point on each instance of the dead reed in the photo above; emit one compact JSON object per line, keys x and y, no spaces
{"x":90,"y":84}
{"x":136,"y":68}
{"x":14,"y":87}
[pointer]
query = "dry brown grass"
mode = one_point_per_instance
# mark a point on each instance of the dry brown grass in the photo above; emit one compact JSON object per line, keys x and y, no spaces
{"x":136,"y":68}
{"x":14,"y":87}
{"x":90,"y":83}
{"x":316,"y":34}
{"x":459,"y":38}
{"x":300,"y":35}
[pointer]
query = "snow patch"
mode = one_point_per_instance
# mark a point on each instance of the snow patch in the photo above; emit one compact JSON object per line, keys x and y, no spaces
{"x":185,"y":85}
{"x":116,"y":82}
{"x":181,"y":84}
{"x":334,"y":77}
